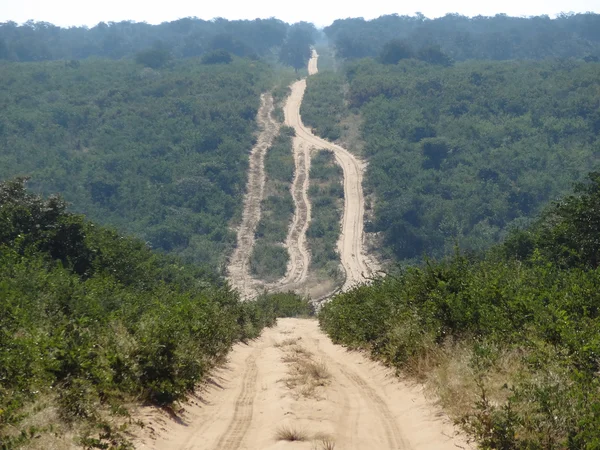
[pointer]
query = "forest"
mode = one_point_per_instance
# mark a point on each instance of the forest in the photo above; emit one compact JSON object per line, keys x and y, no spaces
{"x":161,"y":153}
{"x":462,"y":153}
{"x":462,"y":38}
{"x":508,"y":337}
{"x":183,"y":38}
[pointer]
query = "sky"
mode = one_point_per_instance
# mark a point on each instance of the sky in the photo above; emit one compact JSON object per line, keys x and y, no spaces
{"x":320,"y":12}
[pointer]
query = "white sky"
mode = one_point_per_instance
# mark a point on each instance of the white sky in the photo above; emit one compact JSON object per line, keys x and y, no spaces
{"x":320,"y":12}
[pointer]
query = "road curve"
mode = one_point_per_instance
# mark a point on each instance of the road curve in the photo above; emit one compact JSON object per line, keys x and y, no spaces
{"x":350,"y":244}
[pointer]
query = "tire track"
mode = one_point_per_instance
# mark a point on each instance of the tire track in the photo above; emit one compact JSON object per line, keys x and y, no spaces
{"x":299,"y":262}
{"x":244,"y":405}
{"x":239,"y":264}
{"x":376,"y":403}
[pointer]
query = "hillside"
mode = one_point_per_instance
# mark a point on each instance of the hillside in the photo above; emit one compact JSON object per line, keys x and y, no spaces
{"x":161,"y":154}
{"x":184,"y":38}
{"x":461,"y":154}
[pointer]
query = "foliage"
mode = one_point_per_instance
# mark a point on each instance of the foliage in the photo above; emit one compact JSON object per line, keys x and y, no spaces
{"x":536,"y":302}
{"x":159,"y":154}
{"x":296,"y":50}
{"x":217,"y":57}
{"x":326,"y":194}
{"x":465,"y":153}
{"x":323,"y":105}
{"x":90,"y":318}
{"x":456,"y":37}
{"x":187,"y":37}
{"x":269,"y":257}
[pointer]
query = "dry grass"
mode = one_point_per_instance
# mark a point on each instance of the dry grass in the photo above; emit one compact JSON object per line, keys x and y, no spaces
{"x":305,"y":374}
{"x":291,"y":434}
{"x":323,"y":442}
{"x":287,"y":342}
{"x":452,"y":379}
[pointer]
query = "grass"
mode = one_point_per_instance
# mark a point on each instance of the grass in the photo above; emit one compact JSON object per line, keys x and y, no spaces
{"x":305,"y":374}
{"x":287,"y":342}
{"x":323,"y":441}
{"x":290,"y":434}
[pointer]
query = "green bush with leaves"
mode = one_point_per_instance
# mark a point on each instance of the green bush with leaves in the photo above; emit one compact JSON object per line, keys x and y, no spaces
{"x":326,"y":194}
{"x":535,"y":295}
{"x":90,"y":319}
{"x":269,"y":257}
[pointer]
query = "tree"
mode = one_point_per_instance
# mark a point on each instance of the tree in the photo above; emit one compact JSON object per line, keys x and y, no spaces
{"x":296,"y":51}
{"x":217,"y":57}
{"x":394,"y":51}
{"x":155,"y":58}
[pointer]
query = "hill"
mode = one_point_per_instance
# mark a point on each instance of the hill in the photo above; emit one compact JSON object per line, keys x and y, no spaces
{"x":462,"y":38}
{"x":161,"y":154}
{"x":461,"y":153}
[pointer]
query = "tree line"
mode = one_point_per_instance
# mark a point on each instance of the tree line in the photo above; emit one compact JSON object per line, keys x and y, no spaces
{"x":461,"y":38}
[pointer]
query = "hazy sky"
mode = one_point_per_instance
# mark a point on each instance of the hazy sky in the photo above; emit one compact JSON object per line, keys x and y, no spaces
{"x":320,"y":12}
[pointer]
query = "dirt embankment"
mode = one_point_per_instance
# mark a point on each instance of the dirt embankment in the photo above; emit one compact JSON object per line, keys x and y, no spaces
{"x":239,"y":264}
{"x":294,"y":382}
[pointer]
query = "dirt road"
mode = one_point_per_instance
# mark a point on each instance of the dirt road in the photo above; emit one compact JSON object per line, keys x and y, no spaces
{"x":294,"y":380}
{"x":350,"y":246}
{"x":239,"y":264}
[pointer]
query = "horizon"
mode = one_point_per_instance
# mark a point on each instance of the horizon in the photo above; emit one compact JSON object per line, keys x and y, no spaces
{"x":68,"y":13}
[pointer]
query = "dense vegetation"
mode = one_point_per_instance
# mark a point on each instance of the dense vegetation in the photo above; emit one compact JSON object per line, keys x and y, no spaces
{"x":461,"y":38}
{"x":466,"y":152}
{"x":160,"y":154}
{"x":90,"y":318}
{"x":528,"y":312}
{"x":326,"y":194}
{"x":323,"y":106}
{"x":269,"y":257}
{"x":183,"y":38}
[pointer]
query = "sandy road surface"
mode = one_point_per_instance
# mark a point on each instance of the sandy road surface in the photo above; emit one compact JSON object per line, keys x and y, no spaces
{"x":239,"y":264}
{"x":359,"y":405}
{"x":352,"y":253}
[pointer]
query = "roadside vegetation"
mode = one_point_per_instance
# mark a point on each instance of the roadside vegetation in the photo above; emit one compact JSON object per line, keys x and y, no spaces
{"x":326,"y":195}
{"x":92,"y":321}
{"x":509,"y":339}
{"x":323,"y":106}
{"x":269,"y":257}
